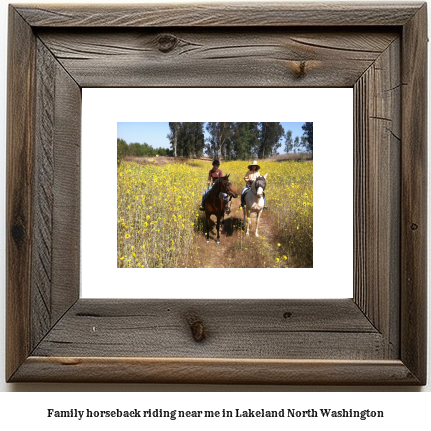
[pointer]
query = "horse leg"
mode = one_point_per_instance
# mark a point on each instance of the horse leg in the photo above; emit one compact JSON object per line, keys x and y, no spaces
{"x":218,"y":230}
{"x":208,"y":228}
{"x":257,"y":221}
{"x":248,"y":222}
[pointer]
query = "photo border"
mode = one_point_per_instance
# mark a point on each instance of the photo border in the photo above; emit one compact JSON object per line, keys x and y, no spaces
{"x":98,"y":121}
{"x":379,"y":337}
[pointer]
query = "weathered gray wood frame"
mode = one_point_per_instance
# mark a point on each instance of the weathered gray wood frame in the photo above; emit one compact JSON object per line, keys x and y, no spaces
{"x":378,"y":337}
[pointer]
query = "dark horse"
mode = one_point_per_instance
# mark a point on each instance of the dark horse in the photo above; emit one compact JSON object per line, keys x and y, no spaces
{"x":215,"y":205}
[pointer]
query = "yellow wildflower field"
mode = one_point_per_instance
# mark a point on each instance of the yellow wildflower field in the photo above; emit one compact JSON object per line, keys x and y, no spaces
{"x":159,"y":224}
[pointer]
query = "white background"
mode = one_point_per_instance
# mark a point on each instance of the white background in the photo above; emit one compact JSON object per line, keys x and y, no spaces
{"x":331,"y":111}
{"x":404,"y":408}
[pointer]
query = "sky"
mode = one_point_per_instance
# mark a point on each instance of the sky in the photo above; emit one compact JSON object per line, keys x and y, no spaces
{"x":154,"y":134}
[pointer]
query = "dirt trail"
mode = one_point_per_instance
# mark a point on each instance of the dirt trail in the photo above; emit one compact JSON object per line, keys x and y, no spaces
{"x":217,"y":255}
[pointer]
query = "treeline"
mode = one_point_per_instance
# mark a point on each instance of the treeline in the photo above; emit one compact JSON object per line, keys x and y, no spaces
{"x":230,"y":141}
{"x":305,"y":142}
{"x":187,"y":139}
{"x":139,"y":150}
{"x":237,"y":141}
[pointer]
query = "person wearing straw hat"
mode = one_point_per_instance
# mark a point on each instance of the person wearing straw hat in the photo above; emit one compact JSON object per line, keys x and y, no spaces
{"x":250,"y":176}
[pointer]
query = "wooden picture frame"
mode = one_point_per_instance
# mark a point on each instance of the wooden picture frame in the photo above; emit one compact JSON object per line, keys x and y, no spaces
{"x":378,"y":337}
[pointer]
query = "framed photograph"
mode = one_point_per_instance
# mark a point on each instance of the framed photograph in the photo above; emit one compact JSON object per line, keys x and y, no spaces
{"x":288,"y":230}
{"x":377,"y":337}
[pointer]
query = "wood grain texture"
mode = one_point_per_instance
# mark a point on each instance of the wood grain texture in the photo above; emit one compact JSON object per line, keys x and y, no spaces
{"x":19,"y":200}
{"x":231,"y":58}
{"x":377,"y":192}
{"x":234,"y":329}
{"x":67,"y":199}
{"x":378,"y":338}
{"x":43,"y":194}
{"x":55,"y":278}
{"x":414,"y":195}
{"x":216,"y":15}
{"x":215,"y":371}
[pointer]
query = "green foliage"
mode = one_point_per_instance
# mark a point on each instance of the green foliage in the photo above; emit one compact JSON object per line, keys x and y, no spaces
{"x":173,"y":136}
{"x":219,"y":143}
{"x":245,"y":140}
{"x":190,"y":140}
{"x":270,"y":139}
{"x":232,"y":141}
{"x":139,"y":150}
{"x":289,"y":142}
{"x":298,"y":145}
{"x":122,"y":149}
{"x":308,"y":136}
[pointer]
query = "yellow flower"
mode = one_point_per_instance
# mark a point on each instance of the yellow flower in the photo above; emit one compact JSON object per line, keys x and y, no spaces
{"x":127,"y":236}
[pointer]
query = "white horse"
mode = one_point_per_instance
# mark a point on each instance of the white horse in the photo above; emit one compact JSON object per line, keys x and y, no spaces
{"x":254,"y":202}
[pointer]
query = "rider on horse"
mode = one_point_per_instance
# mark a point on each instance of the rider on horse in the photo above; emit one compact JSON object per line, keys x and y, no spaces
{"x":250,"y":176}
{"x":213,"y":175}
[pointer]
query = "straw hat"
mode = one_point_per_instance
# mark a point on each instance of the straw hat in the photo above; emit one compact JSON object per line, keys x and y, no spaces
{"x":253,"y":164}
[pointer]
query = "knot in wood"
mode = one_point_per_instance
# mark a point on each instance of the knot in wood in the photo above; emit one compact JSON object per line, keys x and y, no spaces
{"x":197,"y":327}
{"x":300,"y":69}
{"x":167,"y":42}
{"x":18,"y":233}
{"x":414,"y":226}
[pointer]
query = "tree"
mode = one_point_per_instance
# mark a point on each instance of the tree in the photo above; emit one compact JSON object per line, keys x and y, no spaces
{"x":304,"y":142}
{"x":245,"y":140}
{"x":270,"y":136}
{"x":183,"y":140}
{"x":198,"y":139}
{"x":122,"y":149}
{"x":308,"y":134}
{"x":289,"y":142}
{"x":296,"y":144}
{"x":220,"y":134}
{"x":191,"y":139}
{"x":135,"y":149}
{"x":164,"y":152}
{"x":139,"y":150}
{"x":173,"y":136}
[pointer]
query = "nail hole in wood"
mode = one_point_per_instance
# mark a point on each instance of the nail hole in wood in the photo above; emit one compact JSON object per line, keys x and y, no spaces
{"x":414,"y":226}
{"x":287,"y":314}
